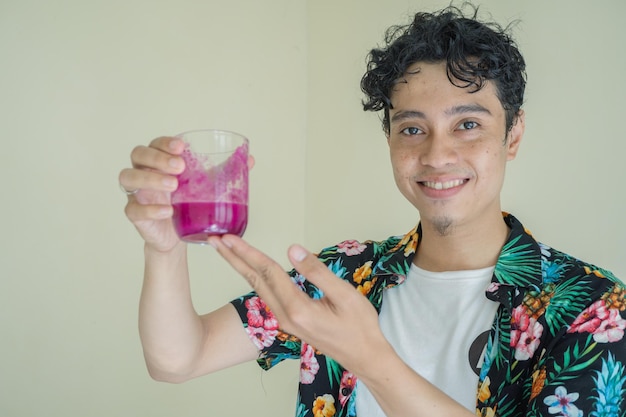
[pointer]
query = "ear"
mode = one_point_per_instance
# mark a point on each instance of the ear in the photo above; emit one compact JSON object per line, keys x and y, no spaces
{"x":515,"y":135}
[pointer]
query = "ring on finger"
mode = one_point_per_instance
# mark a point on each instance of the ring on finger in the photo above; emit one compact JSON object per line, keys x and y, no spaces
{"x":128,"y":192}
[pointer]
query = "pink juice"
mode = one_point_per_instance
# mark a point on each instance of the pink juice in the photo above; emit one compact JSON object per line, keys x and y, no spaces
{"x":196,"y":221}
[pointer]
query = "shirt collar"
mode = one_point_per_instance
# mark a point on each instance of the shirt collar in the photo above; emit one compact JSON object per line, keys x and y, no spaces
{"x":519,"y":263}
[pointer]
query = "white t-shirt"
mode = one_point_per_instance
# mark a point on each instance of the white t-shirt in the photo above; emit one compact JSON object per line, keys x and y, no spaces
{"x":438,"y":323}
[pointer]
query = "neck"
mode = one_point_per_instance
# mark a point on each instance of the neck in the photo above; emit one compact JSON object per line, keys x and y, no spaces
{"x":461,"y":247}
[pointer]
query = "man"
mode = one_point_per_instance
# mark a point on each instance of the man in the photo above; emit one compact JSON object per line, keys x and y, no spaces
{"x":470,"y":314}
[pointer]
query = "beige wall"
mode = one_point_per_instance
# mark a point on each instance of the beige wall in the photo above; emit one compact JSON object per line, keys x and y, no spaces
{"x":82,"y":82}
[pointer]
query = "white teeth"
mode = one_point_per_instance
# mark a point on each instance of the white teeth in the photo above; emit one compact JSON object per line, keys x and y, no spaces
{"x":443,"y":185}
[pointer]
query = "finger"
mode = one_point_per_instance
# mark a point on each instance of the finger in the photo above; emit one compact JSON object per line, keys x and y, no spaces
{"x":251,"y":162}
{"x":318,"y":274}
{"x":170,"y":144}
{"x":158,"y":159}
{"x":141,"y":179}
{"x":265,"y":275}
{"x":139,"y":212}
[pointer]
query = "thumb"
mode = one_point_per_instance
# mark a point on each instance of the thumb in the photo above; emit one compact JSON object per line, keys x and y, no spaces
{"x":297,"y":254}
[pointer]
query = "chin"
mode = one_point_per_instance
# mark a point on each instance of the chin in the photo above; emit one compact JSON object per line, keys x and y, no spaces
{"x":443,"y":224}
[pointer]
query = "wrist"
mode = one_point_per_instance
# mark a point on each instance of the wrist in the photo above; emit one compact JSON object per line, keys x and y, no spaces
{"x":160,"y":262}
{"x":377,"y":371}
{"x":180,"y":248}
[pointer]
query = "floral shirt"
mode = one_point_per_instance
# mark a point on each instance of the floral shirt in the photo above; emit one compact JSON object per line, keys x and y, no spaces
{"x":556,"y":347}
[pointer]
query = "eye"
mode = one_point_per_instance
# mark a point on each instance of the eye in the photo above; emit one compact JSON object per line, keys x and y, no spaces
{"x":410,"y":131}
{"x":468,"y":125}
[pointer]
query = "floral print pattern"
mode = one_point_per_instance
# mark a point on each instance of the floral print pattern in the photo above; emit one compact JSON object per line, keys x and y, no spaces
{"x":562,"y":403}
{"x":262,"y":325}
{"x":525,"y":334}
{"x":604,"y":323}
{"x":308,"y":364}
{"x":556,"y":347}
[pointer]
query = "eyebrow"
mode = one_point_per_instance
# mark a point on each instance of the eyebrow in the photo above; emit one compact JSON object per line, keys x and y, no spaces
{"x":453,"y":111}
{"x":407,"y":114}
{"x":467,"y":108}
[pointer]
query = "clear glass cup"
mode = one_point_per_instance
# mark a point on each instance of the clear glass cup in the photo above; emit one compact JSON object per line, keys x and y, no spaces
{"x":212,"y":193}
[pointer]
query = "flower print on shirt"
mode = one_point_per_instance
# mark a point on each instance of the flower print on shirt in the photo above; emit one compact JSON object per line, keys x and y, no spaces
{"x":348,"y":382}
{"x":362,"y":273}
{"x":324,"y":406}
{"x":262,"y":325}
{"x":261,"y":337}
{"x":526,"y":334}
{"x":611,"y":329}
{"x":308,"y":364}
{"x":259,"y":314}
{"x":562,"y":403}
{"x":606,"y":324}
{"x":351,"y":247}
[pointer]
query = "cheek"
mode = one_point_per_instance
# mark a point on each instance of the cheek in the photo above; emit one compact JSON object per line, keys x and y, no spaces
{"x":402,"y":163}
{"x":493,"y":158}
{"x":493,"y":163}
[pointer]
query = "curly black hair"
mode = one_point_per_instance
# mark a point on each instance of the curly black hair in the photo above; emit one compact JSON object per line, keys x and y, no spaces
{"x":475,"y":52}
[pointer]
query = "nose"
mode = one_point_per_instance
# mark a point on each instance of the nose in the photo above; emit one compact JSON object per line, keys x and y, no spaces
{"x":438,"y":151}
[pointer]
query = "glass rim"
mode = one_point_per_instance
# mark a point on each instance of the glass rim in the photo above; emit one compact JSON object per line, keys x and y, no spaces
{"x":228,"y":132}
{"x":234,"y":140}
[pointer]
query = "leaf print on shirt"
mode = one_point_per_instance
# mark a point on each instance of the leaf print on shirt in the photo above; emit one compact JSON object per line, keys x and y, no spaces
{"x":609,"y":388}
{"x":338,"y":269}
{"x":566,"y":301}
{"x":517,"y":263}
{"x":575,"y":360}
{"x":335,"y":370}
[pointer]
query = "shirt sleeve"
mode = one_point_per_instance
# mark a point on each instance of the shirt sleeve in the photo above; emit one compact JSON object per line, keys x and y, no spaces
{"x":259,"y":322}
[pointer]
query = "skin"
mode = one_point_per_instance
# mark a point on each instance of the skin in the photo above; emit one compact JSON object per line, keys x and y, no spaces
{"x":178,"y":343}
{"x":448,"y":149}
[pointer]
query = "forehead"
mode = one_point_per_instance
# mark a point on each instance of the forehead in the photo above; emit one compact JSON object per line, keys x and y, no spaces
{"x":427,"y":84}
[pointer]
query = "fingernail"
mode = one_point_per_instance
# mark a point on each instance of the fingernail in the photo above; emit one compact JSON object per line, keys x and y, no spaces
{"x":211,"y":241}
{"x":174,"y":144}
{"x":298,"y":253}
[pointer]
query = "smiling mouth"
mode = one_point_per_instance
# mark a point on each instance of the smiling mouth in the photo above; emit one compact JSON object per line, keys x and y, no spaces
{"x":443,"y":185}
